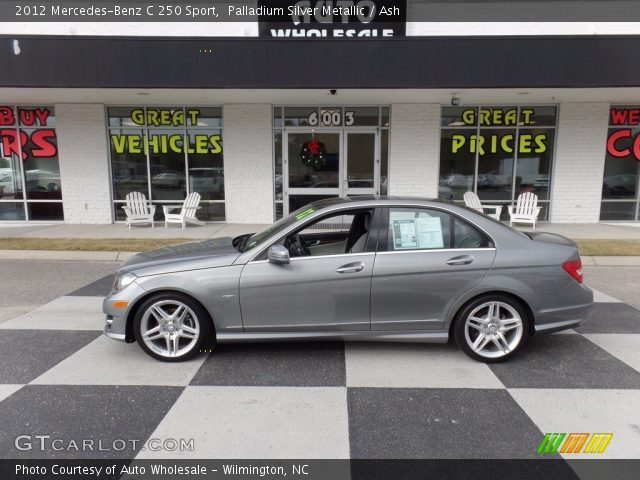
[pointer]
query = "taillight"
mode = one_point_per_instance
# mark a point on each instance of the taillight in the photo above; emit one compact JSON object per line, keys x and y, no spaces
{"x":574,"y":268}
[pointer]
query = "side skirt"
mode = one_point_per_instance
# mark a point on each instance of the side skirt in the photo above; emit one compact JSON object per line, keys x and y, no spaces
{"x":417,"y":336}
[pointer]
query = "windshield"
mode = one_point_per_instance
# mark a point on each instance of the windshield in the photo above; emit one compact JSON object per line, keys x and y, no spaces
{"x":257,"y":238}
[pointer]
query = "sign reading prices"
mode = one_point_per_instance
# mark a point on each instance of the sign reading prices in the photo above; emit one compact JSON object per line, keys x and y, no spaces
{"x":332,"y":18}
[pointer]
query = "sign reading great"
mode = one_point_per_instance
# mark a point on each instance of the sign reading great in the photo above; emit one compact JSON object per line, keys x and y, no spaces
{"x":164,"y":142}
{"x":498,"y":141}
{"x":332,"y":18}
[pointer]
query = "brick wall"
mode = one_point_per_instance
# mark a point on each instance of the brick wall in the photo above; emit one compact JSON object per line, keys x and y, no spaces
{"x":579,"y":162}
{"x":84,"y":163}
{"x":248,"y":163}
{"x":414,"y":158}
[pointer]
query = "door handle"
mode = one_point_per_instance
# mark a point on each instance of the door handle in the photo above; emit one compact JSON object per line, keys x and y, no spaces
{"x":351,"y":268}
{"x":461,"y":260}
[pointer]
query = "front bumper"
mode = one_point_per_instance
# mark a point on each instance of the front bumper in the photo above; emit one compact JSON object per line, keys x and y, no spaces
{"x":116,"y":318}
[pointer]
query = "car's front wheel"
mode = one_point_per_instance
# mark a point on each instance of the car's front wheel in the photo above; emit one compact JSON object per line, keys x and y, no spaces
{"x":491,"y":328}
{"x":171,"y":327}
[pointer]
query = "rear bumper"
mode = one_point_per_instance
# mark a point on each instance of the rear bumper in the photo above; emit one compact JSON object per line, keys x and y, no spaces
{"x":562,"y":319}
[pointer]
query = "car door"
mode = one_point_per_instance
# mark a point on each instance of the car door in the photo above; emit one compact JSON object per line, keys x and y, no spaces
{"x":427,"y":259}
{"x":319,"y":292}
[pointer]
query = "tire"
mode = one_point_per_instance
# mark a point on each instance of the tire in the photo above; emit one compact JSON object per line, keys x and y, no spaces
{"x":172,"y":327}
{"x":495,"y":339}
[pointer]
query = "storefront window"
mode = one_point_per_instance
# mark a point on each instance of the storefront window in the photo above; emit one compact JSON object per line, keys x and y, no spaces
{"x":167,"y":153}
{"x":498,"y":153}
{"x":30,"y":187}
{"x":622,"y":165}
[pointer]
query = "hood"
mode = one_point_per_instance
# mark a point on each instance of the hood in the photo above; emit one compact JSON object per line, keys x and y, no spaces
{"x":216,"y":252}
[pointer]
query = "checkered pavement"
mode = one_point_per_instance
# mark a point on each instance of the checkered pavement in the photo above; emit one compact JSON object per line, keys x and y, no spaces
{"x":59,"y":376}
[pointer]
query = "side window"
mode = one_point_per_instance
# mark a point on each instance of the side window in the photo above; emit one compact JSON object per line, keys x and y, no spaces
{"x":342,"y":233}
{"x":466,"y":236}
{"x":418,"y":229}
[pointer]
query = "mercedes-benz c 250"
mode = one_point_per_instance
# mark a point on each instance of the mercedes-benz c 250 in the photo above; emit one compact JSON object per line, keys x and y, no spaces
{"x":376,"y":268}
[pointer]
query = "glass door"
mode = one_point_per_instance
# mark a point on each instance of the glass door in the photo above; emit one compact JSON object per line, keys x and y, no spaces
{"x":312,"y":166}
{"x":361,"y":173}
{"x":326,"y":163}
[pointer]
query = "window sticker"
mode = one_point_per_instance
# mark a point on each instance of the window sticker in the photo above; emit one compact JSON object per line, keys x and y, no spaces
{"x":304,"y":213}
{"x":414,"y":233}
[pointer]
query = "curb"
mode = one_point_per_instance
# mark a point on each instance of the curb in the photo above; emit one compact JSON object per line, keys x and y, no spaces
{"x":67,"y":255}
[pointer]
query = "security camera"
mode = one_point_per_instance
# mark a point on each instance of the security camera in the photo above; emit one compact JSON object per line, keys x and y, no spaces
{"x":455,"y":102}
{"x":333,"y":91}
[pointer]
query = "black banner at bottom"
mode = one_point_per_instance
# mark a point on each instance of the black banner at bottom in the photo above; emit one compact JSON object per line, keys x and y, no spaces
{"x":459,"y":469}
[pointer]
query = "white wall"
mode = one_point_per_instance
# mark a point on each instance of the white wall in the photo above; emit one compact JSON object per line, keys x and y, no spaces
{"x":579,"y":162}
{"x":84,"y":163}
{"x":414,"y":158}
{"x":248,"y":163}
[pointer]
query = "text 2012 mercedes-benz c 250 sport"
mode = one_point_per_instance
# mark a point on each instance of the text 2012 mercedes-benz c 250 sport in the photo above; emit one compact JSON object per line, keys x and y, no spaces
{"x":375,"y":268}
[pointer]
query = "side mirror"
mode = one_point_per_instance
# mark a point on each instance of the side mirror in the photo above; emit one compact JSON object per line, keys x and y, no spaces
{"x":278,"y":254}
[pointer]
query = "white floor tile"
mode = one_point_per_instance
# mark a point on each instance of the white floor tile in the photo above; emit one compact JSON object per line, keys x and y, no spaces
{"x":6,"y":390}
{"x":623,"y":346}
{"x":599,"y":296}
{"x":588,"y":411}
{"x":64,"y":313}
{"x":109,"y":362}
{"x":258,"y":422}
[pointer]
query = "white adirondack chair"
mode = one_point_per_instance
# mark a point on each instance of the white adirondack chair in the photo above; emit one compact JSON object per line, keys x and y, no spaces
{"x":471,"y":200}
{"x":526,"y":210}
{"x":187,"y":211}
{"x":138,"y":210}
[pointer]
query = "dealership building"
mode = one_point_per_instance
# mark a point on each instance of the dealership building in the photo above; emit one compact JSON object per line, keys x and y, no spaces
{"x":260,"y":126}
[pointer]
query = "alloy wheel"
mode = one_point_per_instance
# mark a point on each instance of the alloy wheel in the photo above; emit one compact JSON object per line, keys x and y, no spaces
{"x":170,"y":328}
{"x":493,"y":329}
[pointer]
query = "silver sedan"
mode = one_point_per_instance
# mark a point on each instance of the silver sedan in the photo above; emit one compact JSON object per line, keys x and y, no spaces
{"x":378,"y":268}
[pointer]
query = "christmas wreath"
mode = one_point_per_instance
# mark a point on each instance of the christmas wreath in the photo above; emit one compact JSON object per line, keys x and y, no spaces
{"x":313,"y":153}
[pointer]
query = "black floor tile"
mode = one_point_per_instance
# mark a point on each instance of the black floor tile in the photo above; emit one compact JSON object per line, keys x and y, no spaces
{"x":565,"y":361}
{"x":27,"y":354}
{"x":110,"y":416}
{"x":404,"y":423}
{"x":274,"y":364}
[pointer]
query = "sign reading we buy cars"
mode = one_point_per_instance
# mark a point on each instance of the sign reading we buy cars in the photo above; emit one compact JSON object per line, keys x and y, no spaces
{"x":332,"y":18}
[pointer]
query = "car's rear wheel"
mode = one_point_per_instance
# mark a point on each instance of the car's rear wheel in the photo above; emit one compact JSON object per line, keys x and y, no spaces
{"x":491,"y":328}
{"x":171,"y":327}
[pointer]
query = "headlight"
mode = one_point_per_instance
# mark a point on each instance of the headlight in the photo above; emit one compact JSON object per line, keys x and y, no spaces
{"x":120,"y":282}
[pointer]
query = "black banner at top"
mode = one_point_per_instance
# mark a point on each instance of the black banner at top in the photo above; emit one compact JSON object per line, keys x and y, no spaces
{"x":332,"y":18}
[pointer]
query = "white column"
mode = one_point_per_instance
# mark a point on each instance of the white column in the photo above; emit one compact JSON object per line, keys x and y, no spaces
{"x":84,"y":163}
{"x":578,"y":165}
{"x":414,"y":159}
{"x":248,"y":163}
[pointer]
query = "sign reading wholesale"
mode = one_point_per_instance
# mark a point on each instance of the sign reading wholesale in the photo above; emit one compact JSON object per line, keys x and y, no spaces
{"x":332,"y":19}
{"x":162,"y":142}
